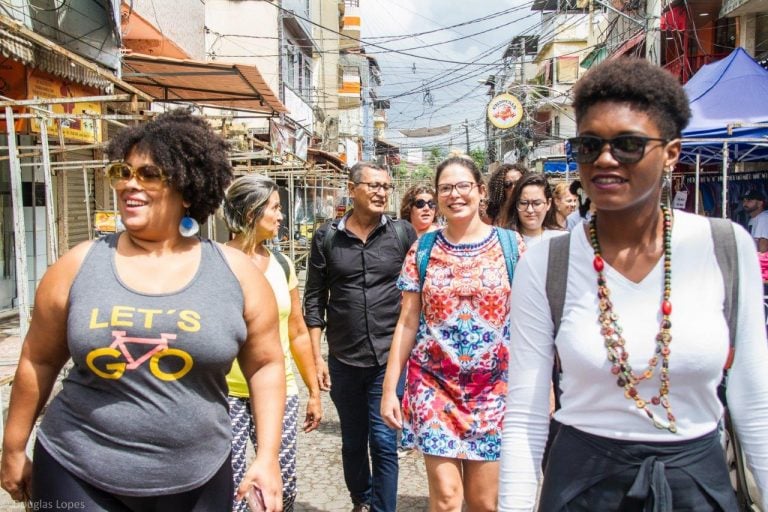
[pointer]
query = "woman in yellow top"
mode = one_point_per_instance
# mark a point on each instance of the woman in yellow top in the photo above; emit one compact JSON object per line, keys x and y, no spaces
{"x":252,"y":212}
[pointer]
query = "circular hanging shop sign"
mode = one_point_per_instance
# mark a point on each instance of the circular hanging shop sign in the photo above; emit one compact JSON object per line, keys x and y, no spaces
{"x":505,"y":111}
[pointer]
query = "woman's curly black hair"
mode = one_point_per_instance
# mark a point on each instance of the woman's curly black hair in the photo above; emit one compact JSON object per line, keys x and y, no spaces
{"x":193,"y":156}
{"x":496,"y":195}
{"x":643,"y":85}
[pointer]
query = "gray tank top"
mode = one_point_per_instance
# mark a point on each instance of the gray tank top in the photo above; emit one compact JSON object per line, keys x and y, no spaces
{"x":143,"y":411}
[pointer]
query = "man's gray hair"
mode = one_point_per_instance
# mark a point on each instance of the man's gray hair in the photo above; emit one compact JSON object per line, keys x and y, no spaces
{"x":356,"y":172}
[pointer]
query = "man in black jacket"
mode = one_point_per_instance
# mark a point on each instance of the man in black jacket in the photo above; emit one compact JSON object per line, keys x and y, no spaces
{"x":351,"y":291}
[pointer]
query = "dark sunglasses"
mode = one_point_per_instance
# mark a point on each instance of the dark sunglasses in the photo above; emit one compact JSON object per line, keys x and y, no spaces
{"x":150,"y":176}
{"x":626,"y":149}
{"x":509,"y":184}
{"x":421,"y":203}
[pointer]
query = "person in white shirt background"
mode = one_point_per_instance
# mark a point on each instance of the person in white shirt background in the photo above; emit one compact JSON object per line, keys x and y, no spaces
{"x":643,"y":339}
{"x":754,"y":204}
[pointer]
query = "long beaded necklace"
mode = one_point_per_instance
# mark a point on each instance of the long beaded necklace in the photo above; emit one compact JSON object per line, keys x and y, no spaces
{"x":614,"y":340}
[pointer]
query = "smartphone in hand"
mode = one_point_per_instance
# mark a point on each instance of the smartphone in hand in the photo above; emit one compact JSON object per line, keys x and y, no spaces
{"x":255,"y":500}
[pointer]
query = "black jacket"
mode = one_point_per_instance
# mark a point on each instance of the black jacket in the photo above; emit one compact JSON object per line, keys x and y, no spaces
{"x":352,"y":291}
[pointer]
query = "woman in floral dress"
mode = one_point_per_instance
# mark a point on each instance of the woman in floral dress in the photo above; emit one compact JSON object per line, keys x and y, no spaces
{"x":453,"y":334}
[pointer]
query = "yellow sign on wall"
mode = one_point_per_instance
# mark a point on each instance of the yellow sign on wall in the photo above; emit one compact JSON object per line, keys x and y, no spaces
{"x":43,"y":85}
{"x":505,"y":111}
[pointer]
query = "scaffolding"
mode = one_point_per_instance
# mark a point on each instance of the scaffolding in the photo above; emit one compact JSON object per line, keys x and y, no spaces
{"x":300,"y":177}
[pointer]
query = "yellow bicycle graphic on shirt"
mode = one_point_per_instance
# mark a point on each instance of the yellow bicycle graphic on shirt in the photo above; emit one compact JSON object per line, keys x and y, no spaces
{"x":160,"y":349}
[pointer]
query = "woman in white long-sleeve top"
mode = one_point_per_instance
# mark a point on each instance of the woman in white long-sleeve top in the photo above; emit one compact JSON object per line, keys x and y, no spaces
{"x":643,"y":338}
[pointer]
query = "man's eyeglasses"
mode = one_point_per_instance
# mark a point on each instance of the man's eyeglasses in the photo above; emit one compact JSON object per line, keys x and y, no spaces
{"x":150,"y":176}
{"x":375,"y":186}
{"x":536,"y":204}
{"x":421,"y":203}
{"x":462,"y":187}
{"x":509,"y":184}
{"x":626,"y":149}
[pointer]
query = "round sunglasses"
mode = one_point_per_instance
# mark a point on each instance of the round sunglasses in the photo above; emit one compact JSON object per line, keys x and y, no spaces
{"x":421,"y":203}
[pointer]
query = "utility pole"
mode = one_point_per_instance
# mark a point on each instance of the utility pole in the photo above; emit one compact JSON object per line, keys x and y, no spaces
{"x":653,"y":31}
{"x":466,"y":132}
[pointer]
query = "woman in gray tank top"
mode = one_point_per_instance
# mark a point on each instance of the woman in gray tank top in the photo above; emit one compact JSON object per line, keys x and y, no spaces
{"x":152,"y":319}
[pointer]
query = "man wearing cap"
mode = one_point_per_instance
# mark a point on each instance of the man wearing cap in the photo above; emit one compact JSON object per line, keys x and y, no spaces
{"x":754,"y":205}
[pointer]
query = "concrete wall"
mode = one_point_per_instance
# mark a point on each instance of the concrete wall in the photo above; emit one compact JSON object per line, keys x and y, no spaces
{"x":182,"y":21}
{"x":244,"y":33}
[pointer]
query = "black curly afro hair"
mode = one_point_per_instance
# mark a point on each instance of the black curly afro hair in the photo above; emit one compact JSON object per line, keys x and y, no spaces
{"x":645,"y":86}
{"x":187,"y":149}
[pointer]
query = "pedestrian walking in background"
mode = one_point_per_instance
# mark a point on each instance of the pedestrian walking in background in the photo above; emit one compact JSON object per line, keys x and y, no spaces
{"x":351,"y":291}
{"x":500,"y":187}
{"x":418,"y":207}
{"x":564,"y":202}
{"x":453,"y":335}
{"x":642,"y":338}
{"x":754,"y":204}
{"x":584,"y":209}
{"x":252,"y":212}
{"x":530,"y":211}
{"x":141,"y":422}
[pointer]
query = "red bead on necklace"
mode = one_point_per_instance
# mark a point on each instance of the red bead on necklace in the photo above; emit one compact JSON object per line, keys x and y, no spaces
{"x":615,"y":343}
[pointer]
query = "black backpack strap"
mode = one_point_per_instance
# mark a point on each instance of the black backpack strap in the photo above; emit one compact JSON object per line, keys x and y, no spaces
{"x":724,"y":240}
{"x":328,"y":240}
{"x":556,"y":284}
{"x":402,"y":234}
{"x":283,"y":261}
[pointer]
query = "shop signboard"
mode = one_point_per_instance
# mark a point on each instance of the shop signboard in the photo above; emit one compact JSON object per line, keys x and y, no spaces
{"x":505,"y":111}
{"x":44,"y":85}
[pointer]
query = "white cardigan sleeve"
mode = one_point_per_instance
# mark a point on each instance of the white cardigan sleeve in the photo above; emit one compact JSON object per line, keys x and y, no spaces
{"x":747,"y":389}
{"x":526,"y":422}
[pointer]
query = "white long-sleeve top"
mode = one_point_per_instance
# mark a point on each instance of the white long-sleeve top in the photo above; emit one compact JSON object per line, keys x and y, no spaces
{"x":591,"y":399}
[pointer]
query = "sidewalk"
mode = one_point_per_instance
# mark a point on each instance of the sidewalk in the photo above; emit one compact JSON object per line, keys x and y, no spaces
{"x":320,"y":475}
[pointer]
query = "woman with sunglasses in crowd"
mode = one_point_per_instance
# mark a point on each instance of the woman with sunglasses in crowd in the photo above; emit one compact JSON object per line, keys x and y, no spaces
{"x":529,"y":210}
{"x":500,"y":187}
{"x":253,"y":213}
{"x":452,"y":334}
{"x":643,"y":338}
{"x":419,"y":208}
{"x":564,"y":203}
{"x":141,"y":422}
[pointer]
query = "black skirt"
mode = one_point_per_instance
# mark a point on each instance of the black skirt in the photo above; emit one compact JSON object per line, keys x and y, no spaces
{"x":591,"y":473}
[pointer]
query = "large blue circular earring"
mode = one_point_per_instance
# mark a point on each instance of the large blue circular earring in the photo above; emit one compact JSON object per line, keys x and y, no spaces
{"x":188,"y":226}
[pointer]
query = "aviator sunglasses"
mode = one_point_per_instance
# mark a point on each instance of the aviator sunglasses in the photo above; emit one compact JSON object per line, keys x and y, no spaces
{"x":421,"y":203}
{"x":626,"y":149}
{"x":150,"y":176}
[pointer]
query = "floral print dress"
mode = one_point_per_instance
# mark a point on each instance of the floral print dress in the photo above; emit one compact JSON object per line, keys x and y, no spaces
{"x":457,"y":372}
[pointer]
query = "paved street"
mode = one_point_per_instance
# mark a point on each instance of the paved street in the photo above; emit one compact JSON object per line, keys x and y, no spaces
{"x":321,"y":481}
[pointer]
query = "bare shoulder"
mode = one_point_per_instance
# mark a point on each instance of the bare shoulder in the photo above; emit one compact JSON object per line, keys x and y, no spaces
{"x":58,"y":279}
{"x":238,"y":261}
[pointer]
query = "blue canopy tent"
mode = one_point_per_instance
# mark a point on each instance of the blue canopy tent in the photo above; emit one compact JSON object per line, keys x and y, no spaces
{"x":729,"y":115}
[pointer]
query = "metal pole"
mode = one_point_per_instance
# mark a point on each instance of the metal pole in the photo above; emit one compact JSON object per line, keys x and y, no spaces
{"x":53,"y":239}
{"x":466,"y":132}
{"x":87,"y":203}
{"x":653,"y":31}
{"x":20,"y":235}
{"x":291,"y":219}
{"x":725,"y":179}
{"x":697,"y":192}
